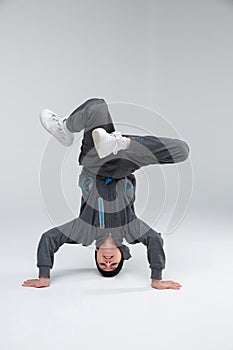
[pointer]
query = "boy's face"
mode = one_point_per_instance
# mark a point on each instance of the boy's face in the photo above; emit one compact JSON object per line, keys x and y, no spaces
{"x":108,"y":258}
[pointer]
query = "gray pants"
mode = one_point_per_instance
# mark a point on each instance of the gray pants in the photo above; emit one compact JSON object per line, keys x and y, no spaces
{"x":143,"y":150}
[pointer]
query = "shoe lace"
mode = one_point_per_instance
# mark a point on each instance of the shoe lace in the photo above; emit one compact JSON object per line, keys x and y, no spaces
{"x":118,"y":138}
{"x":59,"y":123}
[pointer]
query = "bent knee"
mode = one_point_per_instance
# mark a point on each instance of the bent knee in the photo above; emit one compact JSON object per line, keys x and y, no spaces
{"x":184,"y":150}
{"x":52,"y":233}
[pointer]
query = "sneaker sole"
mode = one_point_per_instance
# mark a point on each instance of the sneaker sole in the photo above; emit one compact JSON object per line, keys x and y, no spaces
{"x":97,"y":142}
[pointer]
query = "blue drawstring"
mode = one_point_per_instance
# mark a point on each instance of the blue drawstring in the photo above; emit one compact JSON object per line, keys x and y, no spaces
{"x":108,"y":180}
{"x":127,"y":188}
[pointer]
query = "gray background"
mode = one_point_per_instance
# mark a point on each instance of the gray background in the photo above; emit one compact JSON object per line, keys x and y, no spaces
{"x":171,"y":56}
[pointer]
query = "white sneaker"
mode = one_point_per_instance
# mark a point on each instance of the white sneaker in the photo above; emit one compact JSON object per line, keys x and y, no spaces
{"x":106,"y":143}
{"x":55,"y":125}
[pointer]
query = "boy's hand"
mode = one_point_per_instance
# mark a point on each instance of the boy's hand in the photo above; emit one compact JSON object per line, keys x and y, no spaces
{"x":37,"y":283}
{"x":158,"y":284}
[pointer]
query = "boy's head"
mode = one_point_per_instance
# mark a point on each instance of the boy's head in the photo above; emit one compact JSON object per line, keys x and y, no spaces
{"x":109,"y":261}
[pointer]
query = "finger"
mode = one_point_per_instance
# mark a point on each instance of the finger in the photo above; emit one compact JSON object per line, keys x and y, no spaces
{"x":26,"y":285}
{"x":28,"y":281}
{"x":31,"y":284}
{"x":177,"y":288}
{"x":173,"y":286}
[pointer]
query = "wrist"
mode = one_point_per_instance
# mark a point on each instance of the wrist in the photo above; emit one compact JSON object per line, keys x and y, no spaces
{"x":44,"y":271}
{"x":156,"y":274}
{"x":156,"y":281}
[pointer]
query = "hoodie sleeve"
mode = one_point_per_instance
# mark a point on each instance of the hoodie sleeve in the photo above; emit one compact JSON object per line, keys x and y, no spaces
{"x":125,"y":252}
{"x":49,"y":244}
{"x":155,"y":253}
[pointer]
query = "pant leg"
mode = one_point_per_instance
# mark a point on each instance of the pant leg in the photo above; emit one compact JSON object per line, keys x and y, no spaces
{"x":143,"y":151}
{"x":80,"y":119}
{"x":147,"y":150}
{"x":92,"y":114}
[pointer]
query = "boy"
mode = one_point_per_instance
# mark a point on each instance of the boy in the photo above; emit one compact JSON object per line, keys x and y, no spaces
{"x":108,"y":192}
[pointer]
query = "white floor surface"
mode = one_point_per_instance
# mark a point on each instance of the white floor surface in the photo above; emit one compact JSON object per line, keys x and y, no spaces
{"x":82,"y":310}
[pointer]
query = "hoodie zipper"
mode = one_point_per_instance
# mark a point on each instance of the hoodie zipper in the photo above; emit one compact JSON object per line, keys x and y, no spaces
{"x":101,"y":212}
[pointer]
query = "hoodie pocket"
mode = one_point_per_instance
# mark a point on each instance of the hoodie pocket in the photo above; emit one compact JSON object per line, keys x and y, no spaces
{"x":87,"y":184}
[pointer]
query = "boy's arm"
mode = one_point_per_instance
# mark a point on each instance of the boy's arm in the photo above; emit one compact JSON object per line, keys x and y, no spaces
{"x":156,"y":258}
{"x":155,"y":253}
{"x":49,"y":244}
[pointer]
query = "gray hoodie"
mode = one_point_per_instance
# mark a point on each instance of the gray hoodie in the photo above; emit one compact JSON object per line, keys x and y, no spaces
{"x":107,"y":206}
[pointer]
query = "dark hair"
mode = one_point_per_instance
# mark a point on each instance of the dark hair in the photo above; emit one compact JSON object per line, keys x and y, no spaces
{"x":110,"y":273}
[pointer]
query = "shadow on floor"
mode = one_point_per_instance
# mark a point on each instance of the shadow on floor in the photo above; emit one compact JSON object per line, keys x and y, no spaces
{"x":91,"y":273}
{"x":62,"y":274}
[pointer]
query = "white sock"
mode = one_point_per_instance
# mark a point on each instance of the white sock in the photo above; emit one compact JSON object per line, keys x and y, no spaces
{"x":64,"y":123}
